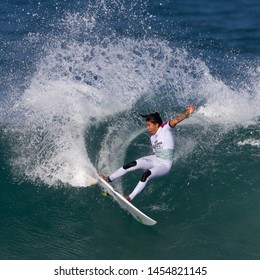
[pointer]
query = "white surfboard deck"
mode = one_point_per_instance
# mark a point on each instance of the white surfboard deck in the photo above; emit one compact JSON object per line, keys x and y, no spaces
{"x":125,"y":204}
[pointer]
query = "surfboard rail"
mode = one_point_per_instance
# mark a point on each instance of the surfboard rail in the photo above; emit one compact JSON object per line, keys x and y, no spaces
{"x":125,"y":204}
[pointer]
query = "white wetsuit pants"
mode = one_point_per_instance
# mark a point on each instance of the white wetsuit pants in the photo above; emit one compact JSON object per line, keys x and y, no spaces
{"x":157,"y":167}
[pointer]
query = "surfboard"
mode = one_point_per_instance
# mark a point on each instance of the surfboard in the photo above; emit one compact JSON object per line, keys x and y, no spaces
{"x":125,"y":204}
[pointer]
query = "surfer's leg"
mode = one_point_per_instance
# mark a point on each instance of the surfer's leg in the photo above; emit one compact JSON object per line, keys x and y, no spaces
{"x":141,"y":184}
{"x":156,"y":171}
{"x":141,"y":163}
{"x":118,"y":173}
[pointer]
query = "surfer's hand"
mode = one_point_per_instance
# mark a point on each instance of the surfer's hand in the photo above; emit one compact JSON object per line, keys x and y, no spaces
{"x":190,"y":109}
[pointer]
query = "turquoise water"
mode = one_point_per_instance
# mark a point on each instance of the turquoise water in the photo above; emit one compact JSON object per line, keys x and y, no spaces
{"x":74,"y":77}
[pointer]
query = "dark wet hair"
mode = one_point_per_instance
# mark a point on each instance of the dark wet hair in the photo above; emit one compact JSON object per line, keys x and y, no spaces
{"x":153,"y":118}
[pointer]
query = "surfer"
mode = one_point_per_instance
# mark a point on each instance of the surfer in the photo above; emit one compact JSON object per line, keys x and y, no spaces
{"x":160,"y":162}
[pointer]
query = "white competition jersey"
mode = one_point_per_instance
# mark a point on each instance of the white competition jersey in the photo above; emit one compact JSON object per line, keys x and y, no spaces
{"x":163,"y":142}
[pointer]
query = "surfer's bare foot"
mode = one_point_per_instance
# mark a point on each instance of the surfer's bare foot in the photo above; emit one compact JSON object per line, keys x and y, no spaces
{"x":127,"y":197}
{"x":106,"y":178}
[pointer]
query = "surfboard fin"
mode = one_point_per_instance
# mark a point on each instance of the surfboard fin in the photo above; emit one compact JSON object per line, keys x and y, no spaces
{"x":104,"y":194}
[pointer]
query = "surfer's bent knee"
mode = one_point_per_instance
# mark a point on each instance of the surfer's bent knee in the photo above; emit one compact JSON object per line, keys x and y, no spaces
{"x":130,"y":164}
{"x":146,"y":174}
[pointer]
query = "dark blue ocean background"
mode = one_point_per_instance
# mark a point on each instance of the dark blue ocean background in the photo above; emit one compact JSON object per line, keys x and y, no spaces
{"x":75,"y":75}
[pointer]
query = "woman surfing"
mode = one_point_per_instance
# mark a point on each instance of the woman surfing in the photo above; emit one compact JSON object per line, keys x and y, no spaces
{"x":160,"y":163}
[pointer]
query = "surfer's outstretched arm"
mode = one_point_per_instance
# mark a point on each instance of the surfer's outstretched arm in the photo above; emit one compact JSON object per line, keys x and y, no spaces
{"x":190,"y":109}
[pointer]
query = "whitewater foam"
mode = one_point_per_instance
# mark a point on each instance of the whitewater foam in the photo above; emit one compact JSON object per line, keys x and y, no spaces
{"x":100,"y":78}
{"x":250,"y":141}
